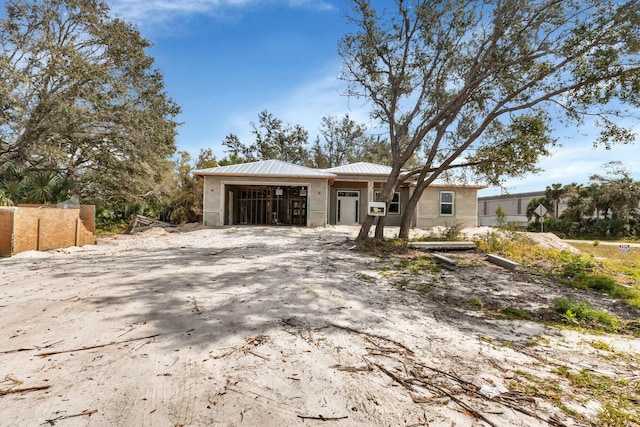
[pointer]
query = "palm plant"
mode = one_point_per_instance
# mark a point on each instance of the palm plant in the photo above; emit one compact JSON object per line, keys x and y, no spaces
{"x":42,"y":187}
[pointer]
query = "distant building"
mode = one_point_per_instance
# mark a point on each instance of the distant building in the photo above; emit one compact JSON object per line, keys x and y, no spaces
{"x":513,"y":205}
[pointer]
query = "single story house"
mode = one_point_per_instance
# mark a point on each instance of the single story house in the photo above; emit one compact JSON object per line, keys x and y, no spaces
{"x":273,"y":192}
{"x":513,"y":205}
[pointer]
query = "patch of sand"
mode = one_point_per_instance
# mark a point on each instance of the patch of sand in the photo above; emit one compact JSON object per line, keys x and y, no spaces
{"x":256,"y":326}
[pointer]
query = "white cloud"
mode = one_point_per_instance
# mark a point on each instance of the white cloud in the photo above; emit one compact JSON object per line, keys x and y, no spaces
{"x":306,"y":104}
{"x":303,"y":105}
{"x":145,"y":12}
{"x":321,"y":97}
{"x":574,"y":164}
{"x":312,"y":4}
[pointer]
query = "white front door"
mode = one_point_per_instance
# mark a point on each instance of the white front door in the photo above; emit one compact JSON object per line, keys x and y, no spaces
{"x":348,"y":208}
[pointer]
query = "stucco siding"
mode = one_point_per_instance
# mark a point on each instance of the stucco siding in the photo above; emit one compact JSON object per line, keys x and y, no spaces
{"x":464,"y":208}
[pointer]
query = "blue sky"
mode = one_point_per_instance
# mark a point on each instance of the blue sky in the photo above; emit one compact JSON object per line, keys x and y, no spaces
{"x":224,"y":61}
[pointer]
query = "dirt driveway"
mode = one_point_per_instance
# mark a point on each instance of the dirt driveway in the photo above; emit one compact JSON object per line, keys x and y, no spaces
{"x":258,"y":326}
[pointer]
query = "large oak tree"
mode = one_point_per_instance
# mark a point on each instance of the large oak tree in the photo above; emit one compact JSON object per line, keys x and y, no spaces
{"x":79,"y":98}
{"x":477,"y":86}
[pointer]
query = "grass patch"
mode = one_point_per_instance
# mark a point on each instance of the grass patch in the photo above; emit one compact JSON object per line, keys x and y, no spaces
{"x":617,"y":395}
{"x":546,"y":388}
{"x":538,"y":340}
{"x":581,"y":271}
{"x":475,"y":302}
{"x":418,"y":264}
{"x":584,"y":315}
{"x":606,"y":285}
{"x":611,"y":415}
{"x":601,"y":345}
{"x":624,"y":267}
{"x":514,"y":313}
{"x":366,"y":277}
{"x":609,"y":251}
{"x":383,"y":247}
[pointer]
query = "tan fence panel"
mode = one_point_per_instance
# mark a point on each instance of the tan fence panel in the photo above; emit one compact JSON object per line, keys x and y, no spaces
{"x":6,"y":232}
{"x":88,"y":217}
{"x":44,"y":228}
{"x":25,"y":229}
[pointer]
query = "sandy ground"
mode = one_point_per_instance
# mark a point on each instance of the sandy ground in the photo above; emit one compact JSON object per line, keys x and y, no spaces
{"x":264,"y":326}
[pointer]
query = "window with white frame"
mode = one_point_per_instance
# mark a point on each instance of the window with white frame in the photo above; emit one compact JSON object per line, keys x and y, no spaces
{"x":447,"y":199}
{"x":394,"y":204}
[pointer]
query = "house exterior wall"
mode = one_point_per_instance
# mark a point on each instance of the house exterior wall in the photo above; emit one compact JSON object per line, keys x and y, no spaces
{"x":396,"y":219}
{"x":464,"y":208}
{"x":367,"y":186}
{"x":513,"y":205}
{"x":333,"y":197}
{"x":214,"y":196}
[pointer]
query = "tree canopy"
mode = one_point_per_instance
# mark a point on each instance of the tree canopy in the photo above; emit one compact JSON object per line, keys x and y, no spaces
{"x":477,"y":85}
{"x":273,"y":140}
{"x":81,"y":103}
{"x":343,"y":141}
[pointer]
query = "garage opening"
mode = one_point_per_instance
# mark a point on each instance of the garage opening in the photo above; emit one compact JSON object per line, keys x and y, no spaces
{"x":266,"y":205}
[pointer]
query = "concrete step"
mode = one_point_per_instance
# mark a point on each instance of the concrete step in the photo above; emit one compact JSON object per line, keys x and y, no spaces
{"x":502,"y":262}
{"x":442,"y":246}
{"x":446,"y":262}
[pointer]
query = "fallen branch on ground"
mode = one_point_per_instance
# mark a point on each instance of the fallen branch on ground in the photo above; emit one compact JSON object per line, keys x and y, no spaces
{"x":219,"y":252}
{"x":18,"y":350}
{"x":321,"y":418}
{"x":352,"y":368}
{"x":255,"y":341}
{"x":52,"y":421}
{"x":394,"y":377}
{"x":476,"y":413}
{"x":506,"y":400}
{"x":399,"y":344}
{"x":96,"y":346}
{"x":256,"y":354}
{"x":196,"y":308}
{"x":23,"y":390}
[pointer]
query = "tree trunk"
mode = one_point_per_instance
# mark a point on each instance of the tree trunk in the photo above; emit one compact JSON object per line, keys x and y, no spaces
{"x":409,"y":211}
{"x":380,"y":227}
{"x":366,"y":227}
{"x":386,"y":194}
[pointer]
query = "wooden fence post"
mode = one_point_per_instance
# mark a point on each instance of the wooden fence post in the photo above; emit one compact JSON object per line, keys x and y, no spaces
{"x":78,"y":222}
{"x":39,"y":241}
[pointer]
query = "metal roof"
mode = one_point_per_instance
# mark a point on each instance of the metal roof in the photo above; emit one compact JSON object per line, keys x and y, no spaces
{"x":513,"y":196}
{"x":278,"y":168}
{"x":450,"y":184}
{"x":271,"y":168}
{"x":361,"y":168}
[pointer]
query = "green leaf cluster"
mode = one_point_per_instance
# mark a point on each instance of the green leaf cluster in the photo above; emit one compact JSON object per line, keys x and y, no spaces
{"x":82,"y":106}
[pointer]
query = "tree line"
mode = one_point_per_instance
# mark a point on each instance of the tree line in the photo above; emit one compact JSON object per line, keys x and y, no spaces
{"x":607,"y":207}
